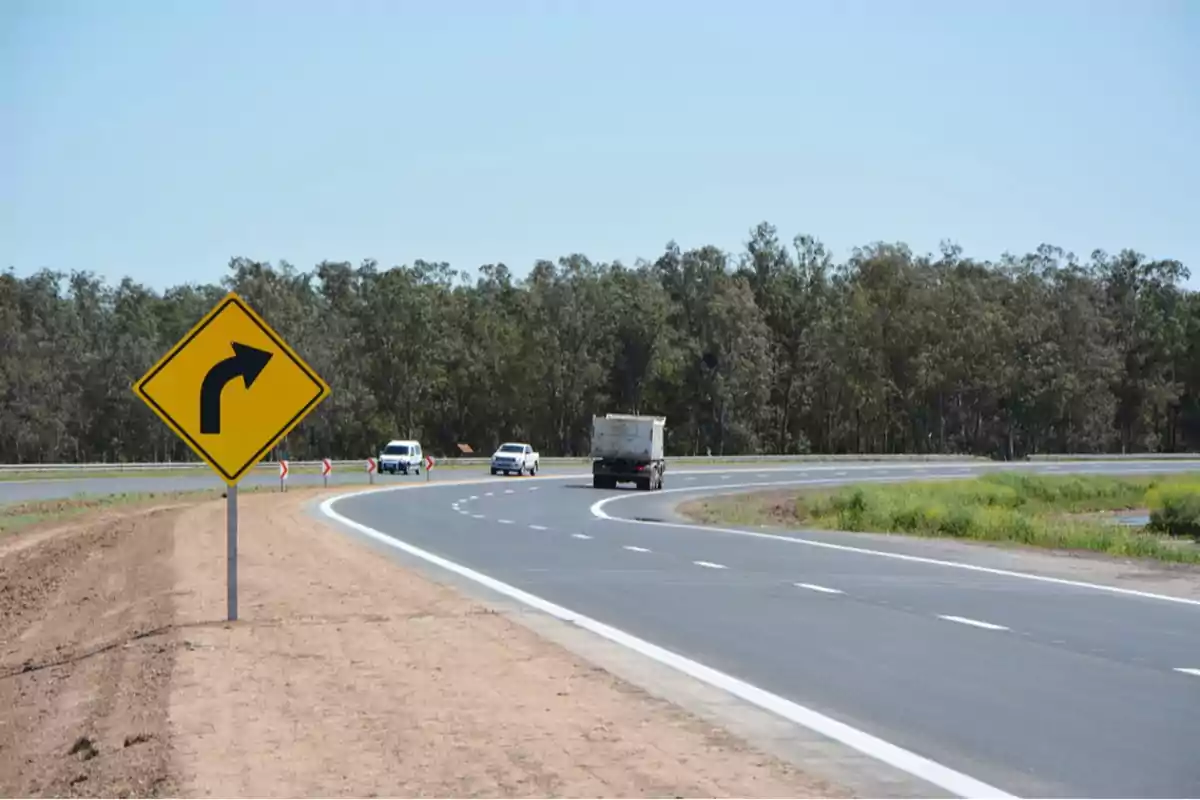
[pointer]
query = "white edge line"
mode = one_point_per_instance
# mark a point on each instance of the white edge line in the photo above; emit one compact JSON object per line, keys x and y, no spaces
{"x":973,"y":622}
{"x":598,"y":511}
{"x":939,"y":775}
{"x":814,"y":587}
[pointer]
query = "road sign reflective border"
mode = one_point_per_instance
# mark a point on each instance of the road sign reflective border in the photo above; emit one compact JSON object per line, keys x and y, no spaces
{"x":231,"y":388}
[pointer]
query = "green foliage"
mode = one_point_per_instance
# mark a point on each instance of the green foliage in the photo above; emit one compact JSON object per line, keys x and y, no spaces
{"x":1176,"y":511}
{"x":775,"y":349}
{"x":1019,"y":507}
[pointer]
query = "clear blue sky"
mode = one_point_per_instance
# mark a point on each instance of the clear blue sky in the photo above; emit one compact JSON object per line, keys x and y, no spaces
{"x":157,"y":139}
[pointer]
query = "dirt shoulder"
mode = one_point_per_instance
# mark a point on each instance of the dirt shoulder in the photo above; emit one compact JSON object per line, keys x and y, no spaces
{"x":347,"y":675}
{"x":771,"y":511}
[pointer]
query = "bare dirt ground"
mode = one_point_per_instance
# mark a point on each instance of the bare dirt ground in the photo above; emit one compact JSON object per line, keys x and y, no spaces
{"x":345,"y":676}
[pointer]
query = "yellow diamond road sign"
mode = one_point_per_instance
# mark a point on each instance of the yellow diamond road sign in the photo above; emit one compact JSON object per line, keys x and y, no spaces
{"x":231,"y":388}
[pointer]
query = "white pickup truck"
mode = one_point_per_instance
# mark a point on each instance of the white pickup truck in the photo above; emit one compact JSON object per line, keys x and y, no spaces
{"x":515,"y":457}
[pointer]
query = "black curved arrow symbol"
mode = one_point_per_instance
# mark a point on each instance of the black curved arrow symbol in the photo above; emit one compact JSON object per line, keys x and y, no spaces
{"x":247,"y":363}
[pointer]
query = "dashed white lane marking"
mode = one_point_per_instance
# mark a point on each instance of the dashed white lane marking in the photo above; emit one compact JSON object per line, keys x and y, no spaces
{"x":973,"y":622}
{"x":538,"y":527}
{"x":637,"y":549}
{"x":954,"y":782}
{"x":840,"y":474}
{"x":761,"y":475}
{"x":508,"y":491}
{"x":708,"y":564}
{"x":726,"y":477}
{"x":533,"y":488}
{"x":477,"y":516}
{"x":505,"y":521}
{"x":488,"y":494}
{"x":580,"y":536}
{"x":815,"y":588}
{"x":473,"y":497}
{"x":692,"y":478}
{"x":1188,"y":671}
{"x":598,"y":511}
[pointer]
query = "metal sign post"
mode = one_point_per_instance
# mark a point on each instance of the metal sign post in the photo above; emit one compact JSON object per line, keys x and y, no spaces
{"x":231,"y":548}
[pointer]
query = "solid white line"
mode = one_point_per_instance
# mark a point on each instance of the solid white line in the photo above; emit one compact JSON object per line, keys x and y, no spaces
{"x":938,"y":774}
{"x":580,"y":536}
{"x":505,"y":521}
{"x":538,"y":527}
{"x":1188,"y":671}
{"x":598,"y":511}
{"x":816,"y":588}
{"x":973,"y":622}
{"x":708,"y":564}
{"x":636,"y":549}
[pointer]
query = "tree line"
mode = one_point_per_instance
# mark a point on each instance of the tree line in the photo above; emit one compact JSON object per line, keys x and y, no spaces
{"x":776,"y":349}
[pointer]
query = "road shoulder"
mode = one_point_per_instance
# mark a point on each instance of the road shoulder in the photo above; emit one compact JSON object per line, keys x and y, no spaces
{"x":348,"y":675}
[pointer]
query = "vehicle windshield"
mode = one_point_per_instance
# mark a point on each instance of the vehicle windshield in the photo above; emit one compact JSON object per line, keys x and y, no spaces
{"x":396,"y":450}
{"x":511,"y":448}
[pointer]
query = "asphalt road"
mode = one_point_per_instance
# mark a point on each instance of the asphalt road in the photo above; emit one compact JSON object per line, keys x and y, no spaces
{"x":1035,"y":687}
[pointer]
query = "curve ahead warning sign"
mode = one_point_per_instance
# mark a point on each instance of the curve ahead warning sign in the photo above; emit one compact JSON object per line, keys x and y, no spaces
{"x":231,"y":388}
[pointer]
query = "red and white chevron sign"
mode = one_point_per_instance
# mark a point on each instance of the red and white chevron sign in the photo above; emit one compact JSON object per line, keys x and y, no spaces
{"x":326,"y":467}
{"x":370,"y":465}
{"x":283,"y":470}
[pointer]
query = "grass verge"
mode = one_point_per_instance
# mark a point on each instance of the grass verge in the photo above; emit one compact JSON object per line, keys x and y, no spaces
{"x":18,"y":516}
{"x":1058,"y":512}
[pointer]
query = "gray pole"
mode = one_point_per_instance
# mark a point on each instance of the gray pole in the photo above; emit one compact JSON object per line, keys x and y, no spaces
{"x":231,"y":532}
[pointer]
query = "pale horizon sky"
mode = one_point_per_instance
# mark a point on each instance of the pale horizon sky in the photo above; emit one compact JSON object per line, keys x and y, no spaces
{"x":159,"y":139}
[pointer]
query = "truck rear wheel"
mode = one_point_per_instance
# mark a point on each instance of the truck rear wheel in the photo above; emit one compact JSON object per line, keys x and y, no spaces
{"x":643,"y":484}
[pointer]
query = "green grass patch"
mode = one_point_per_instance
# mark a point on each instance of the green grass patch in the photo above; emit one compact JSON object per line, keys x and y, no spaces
{"x":1069,"y":512}
{"x":18,"y":516}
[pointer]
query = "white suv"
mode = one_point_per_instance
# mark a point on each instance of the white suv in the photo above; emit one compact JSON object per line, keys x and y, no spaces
{"x":401,"y":456}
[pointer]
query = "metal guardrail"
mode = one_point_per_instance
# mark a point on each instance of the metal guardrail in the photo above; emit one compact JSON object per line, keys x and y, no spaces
{"x":342,"y":464}
{"x":356,"y":464}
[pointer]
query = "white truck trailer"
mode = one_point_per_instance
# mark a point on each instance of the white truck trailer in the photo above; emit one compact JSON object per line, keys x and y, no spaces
{"x":628,"y":448}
